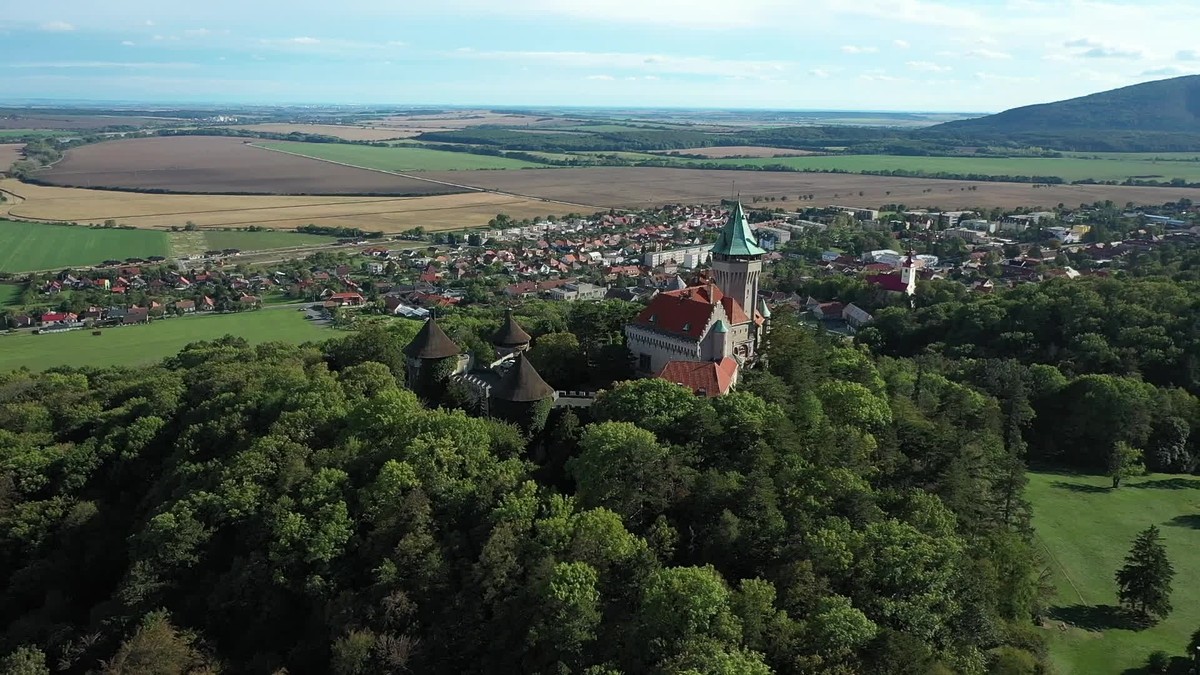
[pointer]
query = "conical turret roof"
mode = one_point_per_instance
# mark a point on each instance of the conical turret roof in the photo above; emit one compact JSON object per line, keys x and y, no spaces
{"x":432,"y":343}
{"x":510,"y":333}
{"x":522,"y":383}
{"x":736,"y":236}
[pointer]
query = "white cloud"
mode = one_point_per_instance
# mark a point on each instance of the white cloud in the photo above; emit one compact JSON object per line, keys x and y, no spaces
{"x":102,"y":64}
{"x":818,"y":72}
{"x":927,"y":66}
{"x":1166,"y":71}
{"x":988,"y":54}
{"x":605,"y":78}
{"x":127,"y":43}
{"x":1094,"y":49}
{"x":149,"y":22}
{"x":901,"y":44}
{"x":1187,"y":55}
{"x":305,"y":40}
{"x":855,"y":49}
{"x":653,"y":63}
{"x":196,"y":32}
{"x":57,"y":27}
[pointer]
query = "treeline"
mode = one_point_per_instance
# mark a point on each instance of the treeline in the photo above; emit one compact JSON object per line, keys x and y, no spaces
{"x":252,"y":509}
{"x":341,"y":232}
{"x":1103,"y":360}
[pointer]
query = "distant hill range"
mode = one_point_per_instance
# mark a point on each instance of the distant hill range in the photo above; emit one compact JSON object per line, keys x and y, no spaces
{"x":1151,"y":117}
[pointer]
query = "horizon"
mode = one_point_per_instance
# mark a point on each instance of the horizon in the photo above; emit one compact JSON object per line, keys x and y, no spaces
{"x":864,"y":56}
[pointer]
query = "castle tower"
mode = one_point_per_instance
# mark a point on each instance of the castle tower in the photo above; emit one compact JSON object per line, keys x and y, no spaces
{"x":737,"y":259}
{"x":522,"y":396}
{"x":510,"y":338}
{"x":429,"y":349}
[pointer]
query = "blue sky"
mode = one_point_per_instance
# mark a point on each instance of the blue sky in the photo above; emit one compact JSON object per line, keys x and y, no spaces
{"x":982,"y":56}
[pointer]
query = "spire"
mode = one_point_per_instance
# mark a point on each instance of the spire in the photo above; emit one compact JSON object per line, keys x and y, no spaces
{"x":521,"y":383}
{"x":737,"y":238}
{"x":431,"y":343}
{"x":510,"y":333}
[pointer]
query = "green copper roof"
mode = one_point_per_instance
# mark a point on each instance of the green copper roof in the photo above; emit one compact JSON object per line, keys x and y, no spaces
{"x":719,"y":327}
{"x":736,"y":237}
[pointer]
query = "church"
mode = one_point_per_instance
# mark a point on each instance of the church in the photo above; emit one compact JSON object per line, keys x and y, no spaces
{"x":702,"y":336}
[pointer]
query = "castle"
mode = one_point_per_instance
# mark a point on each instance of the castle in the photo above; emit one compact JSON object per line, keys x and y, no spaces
{"x":702,"y":336}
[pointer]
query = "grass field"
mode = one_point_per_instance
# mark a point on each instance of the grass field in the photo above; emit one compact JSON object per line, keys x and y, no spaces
{"x":1114,"y":167}
{"x":149,"y":343}
{"x":261,"y":241}
{"x":36,"y":246}
{"x":1086,"y":528}
{"x":397,"y":158}
{"x":9,"y":294}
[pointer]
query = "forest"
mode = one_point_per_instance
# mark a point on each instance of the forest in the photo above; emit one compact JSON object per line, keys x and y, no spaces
{"x":298,"y":509}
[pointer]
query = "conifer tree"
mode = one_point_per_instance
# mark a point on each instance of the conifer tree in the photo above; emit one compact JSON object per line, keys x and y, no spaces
{"x":1144,"y":583}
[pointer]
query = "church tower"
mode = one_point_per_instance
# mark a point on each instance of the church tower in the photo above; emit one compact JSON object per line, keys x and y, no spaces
{"x":908,"y":275}
{"x":737,"y":259}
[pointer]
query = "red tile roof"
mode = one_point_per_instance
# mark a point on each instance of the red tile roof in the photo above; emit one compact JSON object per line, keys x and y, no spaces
{"x":888,"y":282}
{"x":705,"y":378}
{"x":687,"y":312}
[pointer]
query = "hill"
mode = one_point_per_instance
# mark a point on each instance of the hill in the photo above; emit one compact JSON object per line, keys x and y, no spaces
{"x":1154,"y":116}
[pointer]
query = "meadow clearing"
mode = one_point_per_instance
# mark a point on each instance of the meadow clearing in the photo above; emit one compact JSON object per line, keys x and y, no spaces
{"x":37,"y":246}
{"x":386,"y":214}
{"x":1086,"y":529}
{"x":9,"y":294}
{"x":262,"y":241}
{"x":400,"y":159}
{"x":152,"y":342}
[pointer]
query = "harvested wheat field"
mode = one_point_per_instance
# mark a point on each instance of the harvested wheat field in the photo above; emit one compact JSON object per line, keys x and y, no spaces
{"x":727,"y":151}
{"x":217,"y":164}
{"x":9,"y":153}
{"x":641,"y":186}
{"x":345,"y":132}
{"x":439,"y":212}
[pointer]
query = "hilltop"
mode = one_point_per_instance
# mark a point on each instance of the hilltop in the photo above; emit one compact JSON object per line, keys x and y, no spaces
{"x":1154,"y":116}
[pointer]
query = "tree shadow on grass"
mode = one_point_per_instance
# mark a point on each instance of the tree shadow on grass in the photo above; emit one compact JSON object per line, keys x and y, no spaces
{"x":1191,"y":520}
{"x":1178,"y":665}
{"x":1094,"y":617}
{"x":1168,"y":484}
{"x":1077,"y":487}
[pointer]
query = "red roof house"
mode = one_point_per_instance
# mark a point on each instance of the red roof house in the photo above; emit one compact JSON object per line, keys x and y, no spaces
{"x":704,"y":378}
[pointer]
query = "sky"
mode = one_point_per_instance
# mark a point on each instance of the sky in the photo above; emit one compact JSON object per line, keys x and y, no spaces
{"x":894,"y":55}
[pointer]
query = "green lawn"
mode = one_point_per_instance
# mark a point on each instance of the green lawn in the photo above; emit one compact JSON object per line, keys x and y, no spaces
{"x":1086,"y":529}
{"x":39,"y":246}
{"x":259,"y":241}
{"x":1115,"y":167}
{"x":397,"y":158}
{"x":9,"y":294}
{"x":149,"y":343}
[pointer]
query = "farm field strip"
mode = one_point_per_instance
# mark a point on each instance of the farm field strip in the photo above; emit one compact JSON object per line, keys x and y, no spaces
{"x":219,"y":165}
{"x":1086,"y":529}
{"x":397,"y":159}
{"x":1067,"y":168}
{"x":439,"y":212}
{"x":149,"y":343}
{"x":347,"y":132}
{"x":36,"y":246}
{"x":640,"y":186}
